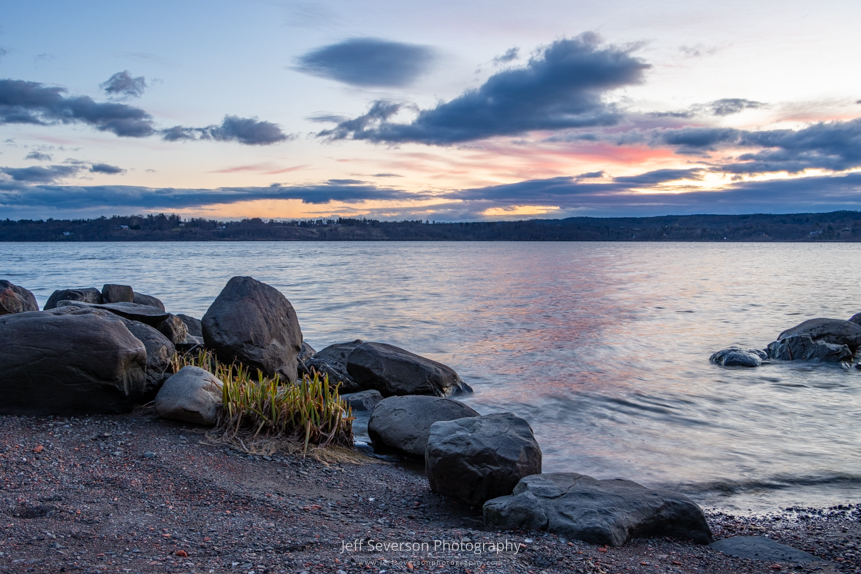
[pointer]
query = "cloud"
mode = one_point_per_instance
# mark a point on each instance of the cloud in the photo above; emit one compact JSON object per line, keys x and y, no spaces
{"x":105,"y":168}
{"x":3,"y":52}
{"x":369,"y":62}
{"x":730,"y":106}
{"x":123,"y":84}
{"x":38,"y":156}
{"x":661,"y":176}
{"x":32,"y":103}
{"x":562,"y":87}
{"x":509,"y":56}
{"x":37,"y":174}
{"x":248,"y":131}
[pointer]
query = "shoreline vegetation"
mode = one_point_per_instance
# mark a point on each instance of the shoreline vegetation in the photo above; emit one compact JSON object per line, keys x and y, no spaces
{"x":838,"y":226}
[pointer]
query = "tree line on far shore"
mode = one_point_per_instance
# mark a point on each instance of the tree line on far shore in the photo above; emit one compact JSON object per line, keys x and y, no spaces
{"x":835,"y":226}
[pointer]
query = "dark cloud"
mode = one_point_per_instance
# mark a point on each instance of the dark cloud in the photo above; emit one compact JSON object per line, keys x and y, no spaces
{"x":38,"y":156}
{"x":730,"y":106}
{"x":37,"y":174}
{"x":369,"y":62}
{"x":562,"y":87}
{"x":123,"y":84}
{"x":248,"y":131}
{"x":509,"y":56}
{"x":590,"y":175}
{"x":32,"y":103}
{"x":660,"y":176}
{"x":387,"y":175}
{"x":105,"y":168}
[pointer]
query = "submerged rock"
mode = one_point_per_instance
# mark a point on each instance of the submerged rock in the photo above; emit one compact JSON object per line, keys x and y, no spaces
{"x":803,"y":348}
{"x":402,"y":424}
{"x":14,"y":299}
{"x":833,"y":331}
{"x":598,"y":511}
{"x":192,"y":395}
{"x":478,"y":458}
{"x":738,"y":357}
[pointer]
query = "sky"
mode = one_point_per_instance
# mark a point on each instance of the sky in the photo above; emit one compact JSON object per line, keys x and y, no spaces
{"x":444,"y":110}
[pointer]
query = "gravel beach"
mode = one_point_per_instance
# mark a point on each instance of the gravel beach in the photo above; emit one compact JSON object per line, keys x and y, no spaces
{"x":138,"y":494}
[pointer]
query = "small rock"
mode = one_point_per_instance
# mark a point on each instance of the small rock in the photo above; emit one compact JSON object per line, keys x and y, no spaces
{"x":191,"y":395}
{"x":87,"y":295}
{"x":117,"y":294}
{"x":738,"y":357}
{"x":149,"y":454}
{"x":142,"y":299}
{"x":14,"y":299}
{"x":174,"y":329}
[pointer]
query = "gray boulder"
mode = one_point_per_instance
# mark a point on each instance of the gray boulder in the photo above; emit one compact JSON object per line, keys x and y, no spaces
{"x":87,"y":295}
{"x":254,"y":324}
{"x":151,"y":316}
{"x":394,"y":371}
{"x":402,"y":424}
{"x":478,"y":458}
{"x":68,"y":362}
{"x":193,"y":395}
{"x":332,"y":362}
{"x":117,"y":294}
{"x":159,"y":352}
{"x":193,"y":325}
{"x":174,"y":329}
{"x":142,"y":299}
{"x":14,"y":299}
{"x":363,"y":401}
{"x":833,"y":331}
{"x":738,"y":357}
{"x":856,"y":318}
{"x":803,"y":348}
{"x":598,"y":511}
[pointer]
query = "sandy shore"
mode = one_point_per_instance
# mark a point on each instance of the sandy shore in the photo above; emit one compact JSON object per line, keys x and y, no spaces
{"x":137,"y":494}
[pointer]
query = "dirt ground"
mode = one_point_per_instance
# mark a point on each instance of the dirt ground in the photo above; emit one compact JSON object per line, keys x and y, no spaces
{"x":137,"y":494}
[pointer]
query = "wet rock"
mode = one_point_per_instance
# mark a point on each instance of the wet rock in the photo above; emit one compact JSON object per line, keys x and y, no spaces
{"x":193,"y":325}
{"x":192,"y":395}
{"x":142,"y":299}
{"x":402,"y":424}
{"x":833,"y":331}
{"x":478,"y":458}
{"x":14,"y":299}
{"x":598,"y":511}
{"x":151,"y":316}
{"x":762,"y":548}
{"x":70,"y":361}
{"x":174,"y":329}
{"x":738,"y":357}
{"x":395,"y":371}
{"x":117,"y":294}
{"x":254,"y":324}
{"x":332,"y":362}
{"x":159,"y":351}
{"x":86,"y":295}
{"x":363,"y":401}
{"x":803,"y":348}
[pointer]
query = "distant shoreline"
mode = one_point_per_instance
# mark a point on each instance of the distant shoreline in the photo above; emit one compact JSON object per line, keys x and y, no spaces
{"x":838,"y":226}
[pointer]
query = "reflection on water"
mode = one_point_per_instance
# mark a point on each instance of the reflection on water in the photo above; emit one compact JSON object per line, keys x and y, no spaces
{"x":603,"y":347}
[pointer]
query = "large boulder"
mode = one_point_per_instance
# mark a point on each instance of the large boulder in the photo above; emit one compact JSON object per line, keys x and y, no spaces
{"x":67,"y":362}
{"x":738,"y":357}
{"x":192,"y":395}
{"x":478,"y":458}
{"x":598,"y":511}
{"x":394,"y":371}
{"x":174,"y":329}
{"x":254,"y":324}
{"x":833,"y":331}
{"x":14,"y":299}
{"x":803,"y":348}
{"x":86,"y":295}
{"x":151,"y":316}
{"x":402,"y":424}
{"x":117,"y":294}
{"x":332,"y":362}
{"x":159,"y":352}
{"x":142,"y":299}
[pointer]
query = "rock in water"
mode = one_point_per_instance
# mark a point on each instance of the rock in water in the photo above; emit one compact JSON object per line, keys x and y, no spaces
{"x":402,"y":424}
{"x":14,"y":299}
{"x":803,"y":348}
{"x":597,"y":511}
{"x":194,"y":326}
{"x":142,"y":299}
{"x":159,"y":352}
{"x":151,"y":316}
{"x":363,"y":401}
{"x":394,"y":371}
{"x":254,"y":324}
{"x":69,"y":362}
{"x":193,"y":395}
{"x":833,"y":331}
{"x":117,"y":294}
{"x":174,"y":329}
{"x":478,"y":458}
{"x":738,"y":357}
{"x":332,"y":362}
{"x":88,"y":295}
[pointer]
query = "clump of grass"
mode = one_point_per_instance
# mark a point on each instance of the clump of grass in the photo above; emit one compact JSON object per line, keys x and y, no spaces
{"x":264,"y":408}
